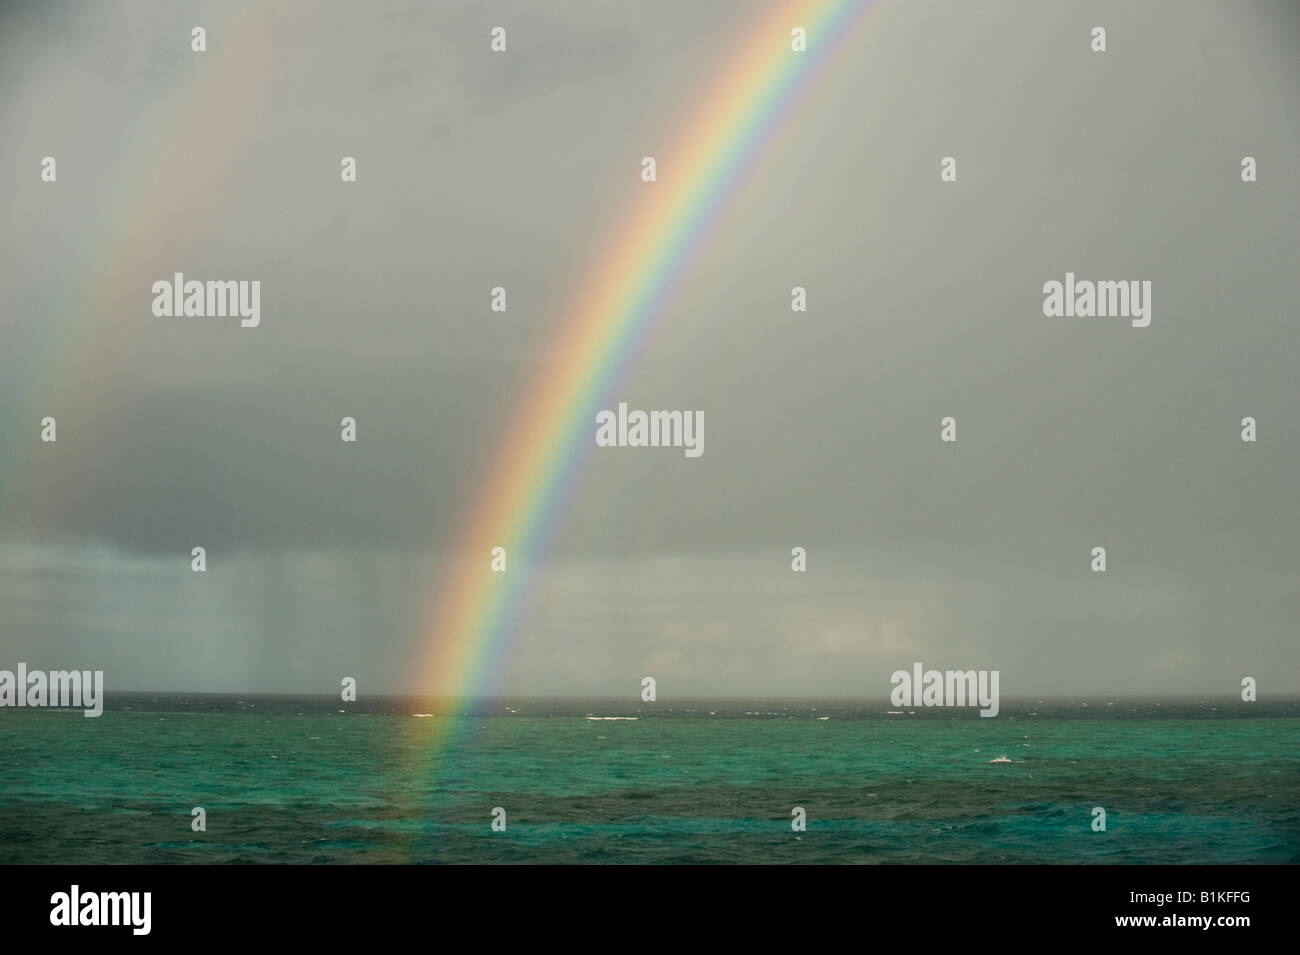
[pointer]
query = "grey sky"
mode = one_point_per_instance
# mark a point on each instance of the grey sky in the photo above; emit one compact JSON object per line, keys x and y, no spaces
{"x":478,"y":170}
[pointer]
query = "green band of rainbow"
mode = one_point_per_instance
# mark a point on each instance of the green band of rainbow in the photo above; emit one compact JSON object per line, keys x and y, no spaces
{"x":474,"y":613}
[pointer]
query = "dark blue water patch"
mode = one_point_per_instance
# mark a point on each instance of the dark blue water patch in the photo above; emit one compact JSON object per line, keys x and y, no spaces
{"x":1082,"y":708}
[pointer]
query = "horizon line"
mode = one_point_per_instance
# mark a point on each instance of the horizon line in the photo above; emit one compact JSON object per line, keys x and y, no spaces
{"x":1289,"y":696}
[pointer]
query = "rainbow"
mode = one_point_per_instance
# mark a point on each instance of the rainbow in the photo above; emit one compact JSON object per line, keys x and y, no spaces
{"x":109,"y":246}
{"x":475,"y":611}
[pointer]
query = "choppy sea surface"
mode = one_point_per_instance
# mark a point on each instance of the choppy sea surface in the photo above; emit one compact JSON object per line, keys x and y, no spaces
{"x":401,"y":780}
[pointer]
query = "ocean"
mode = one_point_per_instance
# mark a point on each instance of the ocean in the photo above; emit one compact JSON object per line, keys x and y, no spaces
{"x":313,"y":780}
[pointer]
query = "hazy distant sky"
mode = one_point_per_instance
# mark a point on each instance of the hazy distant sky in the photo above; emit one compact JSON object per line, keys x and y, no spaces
{"x":822,"y":428}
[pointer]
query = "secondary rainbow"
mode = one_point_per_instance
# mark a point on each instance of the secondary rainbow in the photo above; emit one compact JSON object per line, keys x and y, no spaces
{"x":110,"y":249}
{"x":475,"y":611}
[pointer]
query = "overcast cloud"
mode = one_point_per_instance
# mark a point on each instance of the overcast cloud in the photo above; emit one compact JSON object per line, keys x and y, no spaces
{"x":477,"y":170}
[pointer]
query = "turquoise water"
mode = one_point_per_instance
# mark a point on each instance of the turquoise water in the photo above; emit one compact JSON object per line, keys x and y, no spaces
{"x":286,"y":780}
